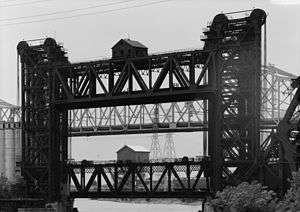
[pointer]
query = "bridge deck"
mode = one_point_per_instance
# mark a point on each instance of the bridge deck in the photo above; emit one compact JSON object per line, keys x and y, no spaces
{"x":168,"y":195}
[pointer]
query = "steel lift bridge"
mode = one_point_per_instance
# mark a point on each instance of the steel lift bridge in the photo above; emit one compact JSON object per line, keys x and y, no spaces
{"x":226,"y":75}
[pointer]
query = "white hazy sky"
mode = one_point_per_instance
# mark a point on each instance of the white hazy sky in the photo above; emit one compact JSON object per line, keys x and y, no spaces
{"x":163,"y":26}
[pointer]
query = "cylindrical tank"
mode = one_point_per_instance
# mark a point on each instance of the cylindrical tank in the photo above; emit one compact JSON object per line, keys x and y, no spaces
{"x":2,"y":151}
{"x":10,"y":154}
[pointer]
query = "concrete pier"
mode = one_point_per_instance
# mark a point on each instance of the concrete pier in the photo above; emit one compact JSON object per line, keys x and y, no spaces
{"x":63,"y":206}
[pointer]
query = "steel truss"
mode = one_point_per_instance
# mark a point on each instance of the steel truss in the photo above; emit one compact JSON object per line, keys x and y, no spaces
{"x":140,"y":180}
{"x":172,"y":117}
{"x":180,"y":116}
{"x":276,"y":95}
{"x":281,"y":152}
{"x":9,"y":114}
{"x":44,"y":128}
{"x":133,"y":119}
{"x":226,"y":73}
{"x":176,"y":116}
{"x":234,"y":109}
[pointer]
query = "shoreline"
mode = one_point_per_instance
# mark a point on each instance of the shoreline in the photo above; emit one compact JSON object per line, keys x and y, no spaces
{"x":187,"y":202}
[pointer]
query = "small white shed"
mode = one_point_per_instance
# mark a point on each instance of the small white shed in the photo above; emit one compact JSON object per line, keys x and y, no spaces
{"x":133,"y":154}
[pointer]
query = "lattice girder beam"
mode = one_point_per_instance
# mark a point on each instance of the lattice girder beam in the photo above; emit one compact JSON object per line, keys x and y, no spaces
{"x":118,"y":91}
{"x":186,"y":116}
{"x":143,"y":180}
{"x":274,"y":102}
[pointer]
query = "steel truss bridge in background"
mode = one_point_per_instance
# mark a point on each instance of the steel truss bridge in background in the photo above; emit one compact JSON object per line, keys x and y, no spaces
{"x":10,"y":116}
{"x":226,"y":77}
{"x":277,"y":95}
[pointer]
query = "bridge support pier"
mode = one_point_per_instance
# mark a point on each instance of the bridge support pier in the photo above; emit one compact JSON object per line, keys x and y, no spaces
{"x":62,"y":206}
{"x":65,"y":203}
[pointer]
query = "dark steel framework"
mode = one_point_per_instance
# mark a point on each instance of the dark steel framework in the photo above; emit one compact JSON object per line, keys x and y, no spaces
{"x":226,"y":73}
{"x":280,"y":150}
{"x":234,"y":108}
{"x":167,"y":117}
{"x":136,"y":180}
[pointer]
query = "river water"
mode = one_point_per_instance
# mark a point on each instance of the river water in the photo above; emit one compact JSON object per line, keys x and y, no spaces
{"x":88,"y":205}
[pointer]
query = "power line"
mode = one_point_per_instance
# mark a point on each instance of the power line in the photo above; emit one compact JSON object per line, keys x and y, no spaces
{"x":86,"y":14}
{"x":4,"y":1}
{"x":7,"y":1}
{"x":24,"y":3}
{"x":68,"y":11}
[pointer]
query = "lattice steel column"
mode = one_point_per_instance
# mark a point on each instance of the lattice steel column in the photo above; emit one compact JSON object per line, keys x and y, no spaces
{"x":234,"y":109}
{"x":44,"y":133}
{"x":169,"y":147}
{"x":155,"y":150}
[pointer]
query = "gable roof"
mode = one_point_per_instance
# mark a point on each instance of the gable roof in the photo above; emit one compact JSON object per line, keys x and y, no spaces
{"x":132,"y":43}
{"x":134,"y":148}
